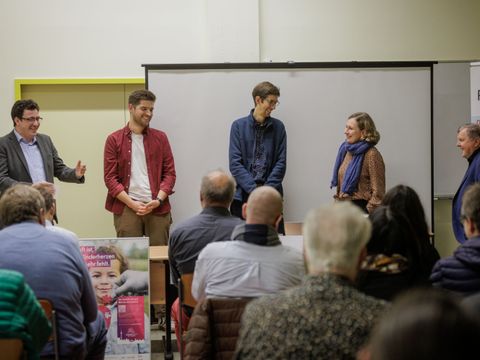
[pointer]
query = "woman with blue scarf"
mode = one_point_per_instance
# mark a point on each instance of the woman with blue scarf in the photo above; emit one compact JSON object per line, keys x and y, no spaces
{"x":359,"y":171}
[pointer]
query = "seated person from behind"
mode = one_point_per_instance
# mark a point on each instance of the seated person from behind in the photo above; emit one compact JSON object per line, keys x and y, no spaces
{"x":395,"y":261}
{"x":21,"y":316}
{"x":48,"y":191}
{"x":54,"y":268}
{"x":325,"y":317}
{"x":255,"y":262}
{"x":404,"y":200}
{"x":424,"y":324}
{"x":214,"y":223}
{"x":461,"y":271}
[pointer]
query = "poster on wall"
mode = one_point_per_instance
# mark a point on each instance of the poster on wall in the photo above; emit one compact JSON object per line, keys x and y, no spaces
{"x":119,"y":270}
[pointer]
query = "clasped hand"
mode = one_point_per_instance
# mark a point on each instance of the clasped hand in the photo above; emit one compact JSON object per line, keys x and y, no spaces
{"x":142,"y":209}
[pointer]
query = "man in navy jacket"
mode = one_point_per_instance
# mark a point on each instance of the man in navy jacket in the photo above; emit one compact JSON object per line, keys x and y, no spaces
{"x":461,"y":271}
{"x":258,"y":147}
{"x":468,"y":140}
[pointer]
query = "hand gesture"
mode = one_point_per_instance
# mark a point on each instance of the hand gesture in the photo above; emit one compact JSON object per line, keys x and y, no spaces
{"x":80,"y":169}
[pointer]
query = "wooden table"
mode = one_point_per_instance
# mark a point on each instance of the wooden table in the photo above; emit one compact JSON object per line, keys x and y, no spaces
{"x":159,"y":289}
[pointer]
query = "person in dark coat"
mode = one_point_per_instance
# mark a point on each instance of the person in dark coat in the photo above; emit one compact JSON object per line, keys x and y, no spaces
{"x":461,"y":271}
{"x":468,"y":140}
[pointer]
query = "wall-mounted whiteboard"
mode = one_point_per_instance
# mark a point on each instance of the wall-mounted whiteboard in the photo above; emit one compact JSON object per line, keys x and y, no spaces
{"x":451,"y":109}
{"x":197,"y":103}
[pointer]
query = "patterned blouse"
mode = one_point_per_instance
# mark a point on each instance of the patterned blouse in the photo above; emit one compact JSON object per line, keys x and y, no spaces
{"x":371,"y":186}
{"x":324,"y":318}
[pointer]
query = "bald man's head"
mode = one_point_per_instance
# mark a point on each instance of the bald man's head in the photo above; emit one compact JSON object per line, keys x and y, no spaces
{"x":264,"y":206}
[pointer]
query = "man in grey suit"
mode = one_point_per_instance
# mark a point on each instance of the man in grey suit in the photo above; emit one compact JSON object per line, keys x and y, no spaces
{"x":30,"y":157}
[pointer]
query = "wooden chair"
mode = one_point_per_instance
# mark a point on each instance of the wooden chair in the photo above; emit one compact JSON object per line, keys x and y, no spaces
{"x":52,"y":316}
{"x":185,"y":297}
{"x":11,"y":349}
{"x":293,"y":228}
{"x":188,"y":298}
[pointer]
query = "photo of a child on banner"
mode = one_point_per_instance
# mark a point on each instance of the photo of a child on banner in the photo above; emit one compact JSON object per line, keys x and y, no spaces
{"x":119,"y":272}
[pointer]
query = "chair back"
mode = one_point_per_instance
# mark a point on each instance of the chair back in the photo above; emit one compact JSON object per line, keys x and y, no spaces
{"x":188,"y":299}
{"x":184,"y":298}
{"x":52,"y":317}
{"x":11,"y":349}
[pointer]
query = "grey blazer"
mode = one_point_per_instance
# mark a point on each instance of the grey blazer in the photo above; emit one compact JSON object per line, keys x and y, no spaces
{"x":14,"y":168}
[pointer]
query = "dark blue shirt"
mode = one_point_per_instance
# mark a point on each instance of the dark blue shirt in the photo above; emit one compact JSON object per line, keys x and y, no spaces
{"x":189,"y":237}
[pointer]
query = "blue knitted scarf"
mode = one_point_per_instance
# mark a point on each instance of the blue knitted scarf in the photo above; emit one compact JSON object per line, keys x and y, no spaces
{"x":352,"y":175}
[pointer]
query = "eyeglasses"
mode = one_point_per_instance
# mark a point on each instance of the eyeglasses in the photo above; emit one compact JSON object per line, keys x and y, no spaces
{"x":33,"y":119}
{"x":463,"y":217}
{"x":272,"y":102}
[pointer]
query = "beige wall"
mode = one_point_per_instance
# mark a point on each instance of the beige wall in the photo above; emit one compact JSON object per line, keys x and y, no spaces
{"x":445,"y":241}
{"x":78,"y":118}
{"x":349,"y":30}
{"x":111,"y":38}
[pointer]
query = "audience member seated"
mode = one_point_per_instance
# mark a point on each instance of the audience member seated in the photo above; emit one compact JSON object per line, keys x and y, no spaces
{"x":47,"y":192}
{"x":325,"y":317}
{"x":404,"y":200}
{"x":461,"y":271}
{"x":424,"y":324}
{"x":54,"y":268}
{"x":214,"y":327}
{"x":395,"y":261}
{"x":21,"y":316}
{"x":255,"y":262}
{"x":188,"y":238}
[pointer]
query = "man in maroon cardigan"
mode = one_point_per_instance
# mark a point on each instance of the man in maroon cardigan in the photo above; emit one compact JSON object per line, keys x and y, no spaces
{"x":139,"y":173}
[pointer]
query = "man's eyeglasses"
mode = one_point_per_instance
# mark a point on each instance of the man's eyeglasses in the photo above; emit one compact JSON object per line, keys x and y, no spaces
{"x":33,"y":119}
{"x":273,"y":102}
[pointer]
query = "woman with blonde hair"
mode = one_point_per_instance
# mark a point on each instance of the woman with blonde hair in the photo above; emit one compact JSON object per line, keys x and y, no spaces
{"x":359,"y":171}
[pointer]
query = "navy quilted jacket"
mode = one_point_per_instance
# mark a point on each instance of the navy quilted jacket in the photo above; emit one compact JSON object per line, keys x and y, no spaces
{"x":461,"y":271}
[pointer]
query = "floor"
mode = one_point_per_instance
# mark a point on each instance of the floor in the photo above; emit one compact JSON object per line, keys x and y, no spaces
{"x":157,"y":344}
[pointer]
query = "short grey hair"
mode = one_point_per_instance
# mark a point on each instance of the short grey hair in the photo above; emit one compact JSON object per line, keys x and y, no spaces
{"x":218,"y":187}
{"x":471,"y":204}
{"x":20,"y":203}
{"x":472,"y":131}
{"x":334,"y":236}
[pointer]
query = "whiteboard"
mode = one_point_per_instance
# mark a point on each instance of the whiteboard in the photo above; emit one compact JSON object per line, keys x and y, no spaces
{"x":196,"y":105}
{"x":451,"y":100}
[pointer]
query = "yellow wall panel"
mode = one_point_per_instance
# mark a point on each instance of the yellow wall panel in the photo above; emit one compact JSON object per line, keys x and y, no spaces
{"x":78,"y":118}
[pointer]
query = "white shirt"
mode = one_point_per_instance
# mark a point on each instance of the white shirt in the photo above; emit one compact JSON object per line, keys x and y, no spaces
{"x":241,"y":269}
{"x":139,"y":183}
